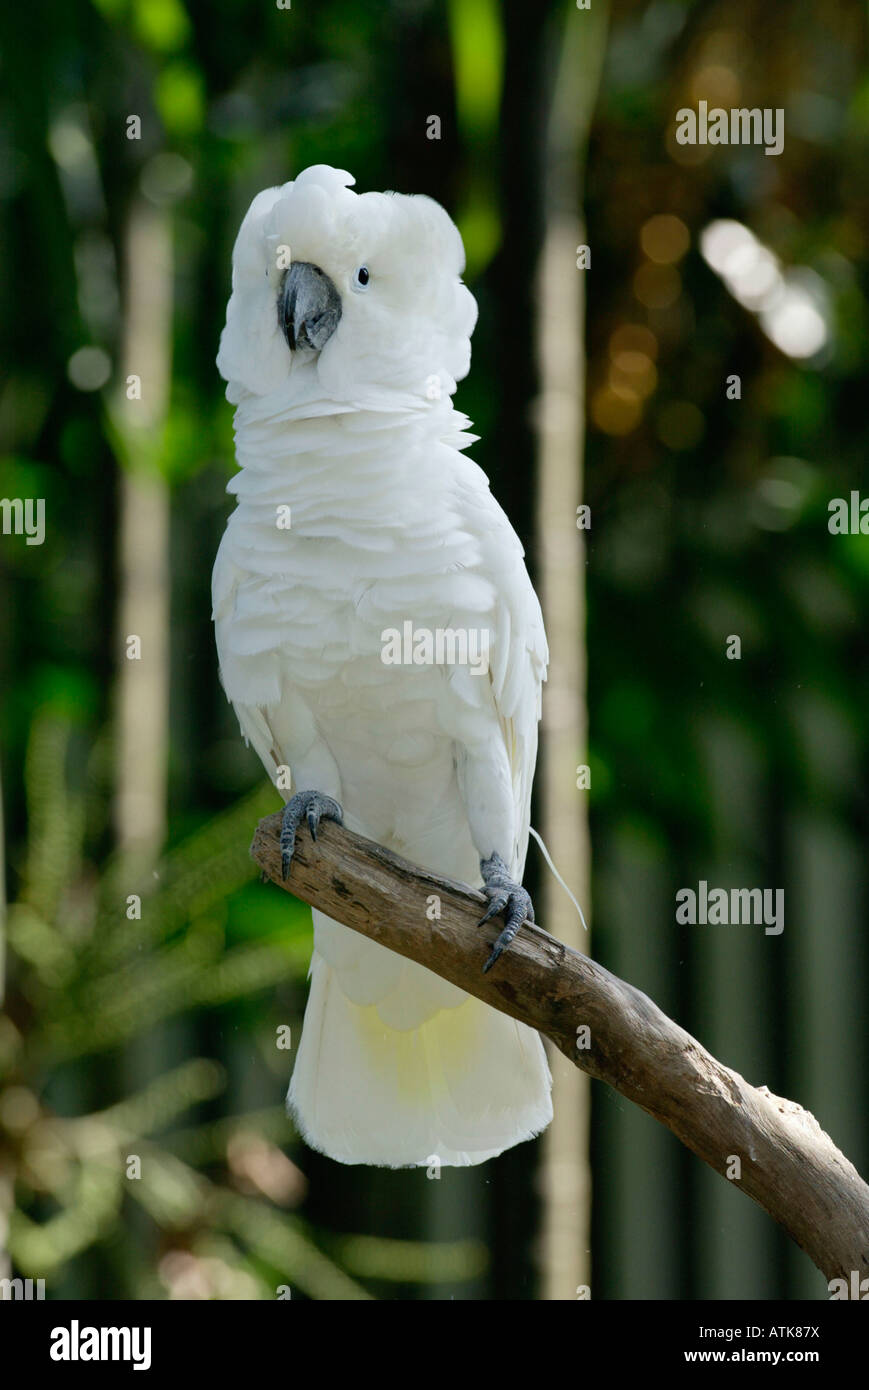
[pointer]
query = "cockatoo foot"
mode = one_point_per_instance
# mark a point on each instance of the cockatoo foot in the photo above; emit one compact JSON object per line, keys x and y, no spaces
{"x":507,"y":896}
{"x":310,"y":806}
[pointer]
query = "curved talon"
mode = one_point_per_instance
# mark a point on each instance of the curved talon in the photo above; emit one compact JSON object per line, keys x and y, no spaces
{"x":313,"y":806}
{"x":495,"y":906}
{"x":496,"y":952}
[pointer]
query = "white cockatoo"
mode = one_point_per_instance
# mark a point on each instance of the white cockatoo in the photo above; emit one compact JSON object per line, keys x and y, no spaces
{"x":382,"y":645}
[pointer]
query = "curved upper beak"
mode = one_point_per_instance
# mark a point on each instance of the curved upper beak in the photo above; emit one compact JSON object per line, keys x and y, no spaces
{"x":309,"y":306}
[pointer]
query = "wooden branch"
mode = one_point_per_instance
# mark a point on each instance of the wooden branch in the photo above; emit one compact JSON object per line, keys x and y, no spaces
{"x":788,"y":1164}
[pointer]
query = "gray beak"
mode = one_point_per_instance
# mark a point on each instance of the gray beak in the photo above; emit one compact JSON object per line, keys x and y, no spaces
{"x":309,"y":307}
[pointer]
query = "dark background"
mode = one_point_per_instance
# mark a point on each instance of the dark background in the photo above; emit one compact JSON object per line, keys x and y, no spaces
{"x":155,"y":1038}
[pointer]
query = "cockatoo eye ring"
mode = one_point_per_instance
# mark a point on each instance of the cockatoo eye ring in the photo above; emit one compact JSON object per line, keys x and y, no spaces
{"x":361,"y":278}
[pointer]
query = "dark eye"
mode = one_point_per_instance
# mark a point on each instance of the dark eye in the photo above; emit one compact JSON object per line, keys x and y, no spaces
{"x":361,"y":278}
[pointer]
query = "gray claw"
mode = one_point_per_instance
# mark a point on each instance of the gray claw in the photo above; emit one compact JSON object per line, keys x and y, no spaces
{"x":507,"y":897}
{"x":311,"y":806}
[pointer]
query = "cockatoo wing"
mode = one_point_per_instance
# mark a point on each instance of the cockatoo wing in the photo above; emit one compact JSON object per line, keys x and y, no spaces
{"x":519,"y":654}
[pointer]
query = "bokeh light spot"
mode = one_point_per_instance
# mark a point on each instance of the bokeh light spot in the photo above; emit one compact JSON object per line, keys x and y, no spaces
{"x":89,"y":368}
{"x":665,"y":238}
{"x":616,"y":410}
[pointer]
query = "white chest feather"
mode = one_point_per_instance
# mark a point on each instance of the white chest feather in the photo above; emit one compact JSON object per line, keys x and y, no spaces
{"x":347,"y":526}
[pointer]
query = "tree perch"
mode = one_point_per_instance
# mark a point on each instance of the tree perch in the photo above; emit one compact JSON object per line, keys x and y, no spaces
{"x":788,"y":1164}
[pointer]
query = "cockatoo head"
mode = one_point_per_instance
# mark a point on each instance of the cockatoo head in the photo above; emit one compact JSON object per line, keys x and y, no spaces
{"x":362,"y":289}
